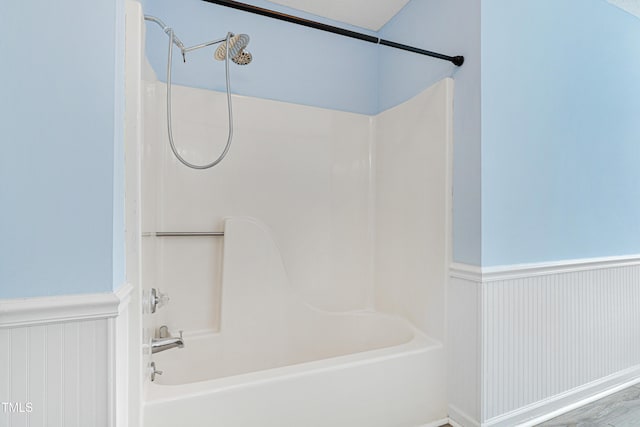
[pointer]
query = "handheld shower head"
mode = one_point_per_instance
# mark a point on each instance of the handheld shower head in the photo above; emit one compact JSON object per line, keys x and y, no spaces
{"x":237,"y":54}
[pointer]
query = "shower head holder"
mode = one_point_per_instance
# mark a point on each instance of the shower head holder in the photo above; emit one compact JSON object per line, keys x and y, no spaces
{"x":237,"y":44}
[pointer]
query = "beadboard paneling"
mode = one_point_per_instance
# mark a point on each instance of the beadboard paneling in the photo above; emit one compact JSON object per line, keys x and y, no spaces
{"x":549,"y":334}
{"x":550,"y":337}
{"x":61,"y":369}
{"x":68,"y":370}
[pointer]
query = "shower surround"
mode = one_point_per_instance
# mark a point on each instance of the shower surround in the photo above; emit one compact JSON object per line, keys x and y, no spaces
{"x":331,"y":274}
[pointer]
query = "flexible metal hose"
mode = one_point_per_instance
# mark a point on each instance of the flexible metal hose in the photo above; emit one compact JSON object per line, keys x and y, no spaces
{"x":229,"y":106}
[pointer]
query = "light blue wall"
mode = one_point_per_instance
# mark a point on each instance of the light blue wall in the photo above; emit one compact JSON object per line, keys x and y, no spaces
{"x":291,"y":63}
{"x":559,"y":137}
{"x":560,"y":131}
{"x":58,"y":108}
{"x":451,"y":27}
{"x":62,"y":175}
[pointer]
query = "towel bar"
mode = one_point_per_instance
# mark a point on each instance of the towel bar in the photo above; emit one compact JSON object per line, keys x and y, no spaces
{"x":186,"y":234}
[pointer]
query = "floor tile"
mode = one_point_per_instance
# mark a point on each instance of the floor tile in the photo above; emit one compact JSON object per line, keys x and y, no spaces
{"x":621,"y":409}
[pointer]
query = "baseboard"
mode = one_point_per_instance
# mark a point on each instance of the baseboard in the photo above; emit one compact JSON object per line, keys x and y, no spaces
{"x":453,"y":423}
{"x":547,"y":409}
{"x":64,"y":308}
{"x":438,"y":423}
{"x":458,"y":418}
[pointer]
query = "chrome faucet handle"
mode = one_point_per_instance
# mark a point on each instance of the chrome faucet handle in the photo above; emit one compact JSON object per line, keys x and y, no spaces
{"x":154,"y":371}
{"x":157,"y":300}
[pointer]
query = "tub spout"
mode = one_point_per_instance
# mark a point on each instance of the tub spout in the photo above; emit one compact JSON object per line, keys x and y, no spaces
{"x":162,"y":344}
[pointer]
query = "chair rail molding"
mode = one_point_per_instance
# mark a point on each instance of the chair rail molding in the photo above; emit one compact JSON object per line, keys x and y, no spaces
{"x":63,"y":308}
{"x":479,"y":274}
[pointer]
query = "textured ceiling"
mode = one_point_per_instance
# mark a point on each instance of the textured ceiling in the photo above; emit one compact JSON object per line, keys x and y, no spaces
{"x":631,"y":6}
{"x":371,"y":14}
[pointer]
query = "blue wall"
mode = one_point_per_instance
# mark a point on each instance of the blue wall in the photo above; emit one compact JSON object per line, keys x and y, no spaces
{"x":60,"y":100}
{"x":556,"y":177}
{"x":451,"y":27}
{"x":62,"y":175}
{"x":560,"y":131}
{"x":291,"y":63}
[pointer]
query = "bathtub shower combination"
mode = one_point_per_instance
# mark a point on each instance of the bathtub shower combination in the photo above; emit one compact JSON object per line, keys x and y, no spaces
{"x":301,"y":281}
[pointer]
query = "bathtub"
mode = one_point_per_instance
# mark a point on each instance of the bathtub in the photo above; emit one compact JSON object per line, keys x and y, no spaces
{"x":279,"y":362}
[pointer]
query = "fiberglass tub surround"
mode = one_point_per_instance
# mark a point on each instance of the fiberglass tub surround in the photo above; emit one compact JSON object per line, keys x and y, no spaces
{"x":328,"y":287}
{"x":274,"y":350}
{"x":264,"y":324}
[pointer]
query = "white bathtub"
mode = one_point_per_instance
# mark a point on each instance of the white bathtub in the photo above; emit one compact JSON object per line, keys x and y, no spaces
{"x":279,"y":362}
{"x":218,"y":382}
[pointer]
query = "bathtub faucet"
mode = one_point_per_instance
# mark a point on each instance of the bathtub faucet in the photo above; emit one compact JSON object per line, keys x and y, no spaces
{"x":162,"y":344}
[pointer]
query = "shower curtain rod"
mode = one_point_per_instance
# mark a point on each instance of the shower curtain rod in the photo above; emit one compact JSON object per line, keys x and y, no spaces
{"x":456,"y":60}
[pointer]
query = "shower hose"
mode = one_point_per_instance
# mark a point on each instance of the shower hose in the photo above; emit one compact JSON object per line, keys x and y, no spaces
{"x":229,"y":108}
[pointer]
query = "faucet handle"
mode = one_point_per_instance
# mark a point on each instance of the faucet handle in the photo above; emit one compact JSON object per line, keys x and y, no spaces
{"x":157,"y":300}
{"x":162,"y":299}
{"x":154,"y":371}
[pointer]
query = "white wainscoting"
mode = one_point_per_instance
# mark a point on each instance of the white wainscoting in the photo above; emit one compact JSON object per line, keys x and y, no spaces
{"x":551,"y":336}
{"x":63,"y":362}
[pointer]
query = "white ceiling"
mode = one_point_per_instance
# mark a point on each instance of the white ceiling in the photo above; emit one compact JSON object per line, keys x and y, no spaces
{"x":371,"y":14}
{"x":631,"y":6}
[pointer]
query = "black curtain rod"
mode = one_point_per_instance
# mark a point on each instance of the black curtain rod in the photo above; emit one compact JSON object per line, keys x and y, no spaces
{"x":457,"y":60}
